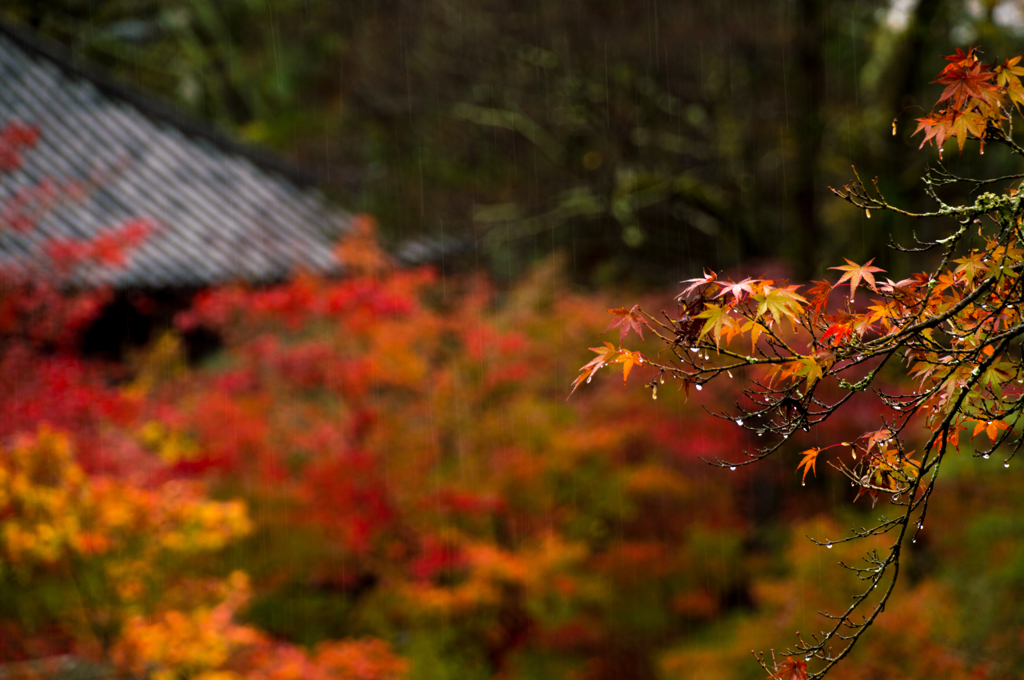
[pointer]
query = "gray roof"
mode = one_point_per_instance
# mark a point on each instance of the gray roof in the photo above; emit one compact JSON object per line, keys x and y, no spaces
{"x":224,"y":212}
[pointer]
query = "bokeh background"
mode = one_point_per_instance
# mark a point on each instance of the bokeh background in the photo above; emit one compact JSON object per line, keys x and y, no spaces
{"x":378,"y":475}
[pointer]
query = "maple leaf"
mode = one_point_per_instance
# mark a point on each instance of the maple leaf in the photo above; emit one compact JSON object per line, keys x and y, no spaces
{"x":881,"y":311}
{"x":873,"y":494}
{"x":877,"y":438}
{"x":808,"y":462}
{"x":991,"y":428}
{"x":838,"y":333}
{"x":994,"y":377}
{"x":1008,"y":77}
{"x":967,"y":79}
{"x":953,"y":438}
{"x":854,"y":273}
{"x":810,"y":368}
{"x":972,"y":266}
{"x":794,"y":368}
{"x":628,"y":360}
{"x":948,"y":280}
{"x":755,"y":329}
{"x":905,"y":291}
{"x":626,"y":319}
{"x":696,"y":283}
{"x":818,"y":297}
{"x":790,"y":669}
{"x":936,"y":128}
{"x":964,"y":58}
{"x":972,"y":100}
{"x":780,"y":303}
{"x":719,"y":321}
{"x":968,"y":122}
{"x":738,"y":290}
{"x":605,"y":355}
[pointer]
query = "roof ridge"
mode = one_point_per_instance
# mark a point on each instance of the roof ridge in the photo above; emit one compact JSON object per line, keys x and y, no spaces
{"x":154,"y":106}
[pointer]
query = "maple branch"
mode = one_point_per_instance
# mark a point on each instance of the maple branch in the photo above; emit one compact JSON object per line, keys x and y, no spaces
{"x":939,"y":436}
{"x":947,"y":177}
{"x":999,"y":135}
{"x":856,"y":193}
{"x":937,"y":320}
{"x":954,"y":327}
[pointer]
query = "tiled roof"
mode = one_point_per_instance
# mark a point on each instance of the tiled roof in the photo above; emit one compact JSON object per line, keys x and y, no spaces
{"x":224,"y":211}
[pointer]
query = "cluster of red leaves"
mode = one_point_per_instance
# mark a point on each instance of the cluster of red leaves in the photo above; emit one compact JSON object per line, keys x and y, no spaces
{"x":417,"y":438}
{"x":130,"y":456}
{"x":63,"y":392}
{"x":347,"y":494}
{"x":464,"y":499}
{"x":367,"y":659}
{"x":109,"y":248}
{"x":33,"y":301}
{"x":15,"y":137}
{"x":302,"y":300}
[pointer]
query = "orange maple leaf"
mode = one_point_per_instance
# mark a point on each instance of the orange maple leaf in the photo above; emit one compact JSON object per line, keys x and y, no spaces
{"x":854,"y":273}
{"x":1008,"y":77}
{"x":628,"y":360}
{"x":991,"y":428}
{"x":808,"y":463}
{"x":605,"y":355}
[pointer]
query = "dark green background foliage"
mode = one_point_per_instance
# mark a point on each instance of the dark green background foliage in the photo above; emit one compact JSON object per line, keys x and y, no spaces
{"x":648,"y":138}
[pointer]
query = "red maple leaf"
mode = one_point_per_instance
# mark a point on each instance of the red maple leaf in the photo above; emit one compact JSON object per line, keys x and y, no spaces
{"x":790,"y":669}
{"x":967,"y":78}
{"x":837,"y":332}
{"x":626,"y":319}
{"x":817,"y":296}
{"x":974,"y":97}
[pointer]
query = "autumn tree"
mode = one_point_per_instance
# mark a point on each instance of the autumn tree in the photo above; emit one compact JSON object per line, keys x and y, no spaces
{"x":937,"y":353}
{"x":106,"y":534}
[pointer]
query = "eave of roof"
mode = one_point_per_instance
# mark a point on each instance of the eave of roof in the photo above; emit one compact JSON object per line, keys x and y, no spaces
{"x":226,"y":211}
{"x":152,"y":106}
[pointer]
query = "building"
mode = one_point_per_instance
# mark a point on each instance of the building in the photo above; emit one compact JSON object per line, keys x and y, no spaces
{"x":222,"y":211}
